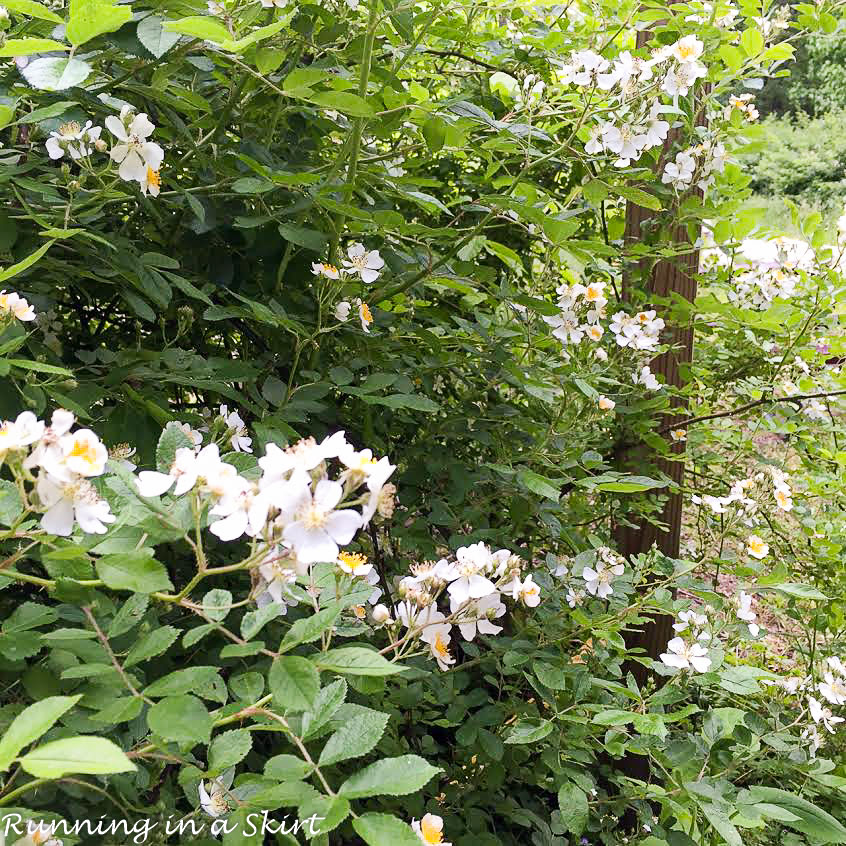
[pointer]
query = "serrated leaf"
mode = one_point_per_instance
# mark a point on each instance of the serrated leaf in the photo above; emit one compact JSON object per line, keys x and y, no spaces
{"x":171,"y":439}
{"x":356,"y":661}
{"x":294,"y":683}
{"x":30,"y":724}
{"x":135,"y":571}
{"x":152,"y":34}
{"x":28,"y":46}
{"x":90,"y":755}
{"x":228,"y":749}
{"x":90,"y":18}
{"x":326,"y":703}
{"x":254,"y":621}
{"x":389,"y":777}
{"x":151,"y":645}
{"x":573,"y":806}
{"x":130,"y":615}
{"x":182,"y":681}
{"x":182,"y":719}
{"x":310,"y":628}
{"x":384,"y":830}
{"x":354,"y":738}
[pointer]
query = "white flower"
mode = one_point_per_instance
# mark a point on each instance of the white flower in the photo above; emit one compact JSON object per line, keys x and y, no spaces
{"x":16,"y":305}
{"x":279,"y":573}
{"x":647,"y":378}
{"x":678,"y":435}
{"x":685,"y":655}
{"x":745,"y":613}
{"x":680,"y":79}
{"x":598,"y":580}
{"x":837,"y":665}
{"x":366,"y":264}
{"x":687,"y":49}
{"x":16,"y":434}
{"x":238,"y":439}
{"x":69,"y":501}
{"x":823,"y":715}
{"x":134,"y":153}
{"x":757,"y":547}
{"x":575,"y":597}
{"x":604,"y":403}
{"x":213,"y":798}
{"x":327,"y":270}
{"x":342,"y":311}
{"x":73,"y":139}
{"x":193,"y":435}
{"x":381,"y":615}
{"x":317,"y":529}
{"x":430,"y":830}
{"x":475,"y":616}
{"x":354,"y":564}
{"x":467,"y":581}
{"x":525,"y":591}
{"x":365,"y":316}
{"x":833,"y":689}
{"x":689,"y":618}
{"x":680,"y":172}
{"x":151,"y":182}
{"x":438,"y":638}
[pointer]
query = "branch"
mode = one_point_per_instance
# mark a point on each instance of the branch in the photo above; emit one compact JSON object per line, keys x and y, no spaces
{"x":747,"y":406}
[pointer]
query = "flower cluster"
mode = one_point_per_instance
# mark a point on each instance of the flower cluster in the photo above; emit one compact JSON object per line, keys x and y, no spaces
{"x":138,"y":157}
{"x":782,"y":491}
{"x":15,"y":305}
{"x":699,"y":163}
{"x":742,"y":104}
{"x":745,"y":506}
{"x":640,"y":331}
{"x":598,"y":579}
{"x":295,"y":507}
{"x":582,"y":308}
{"x":364,"y":263}
{"x":75,"y":140}
{"x":689,"y":653}
{"x":474,"y":585}
{"x":61,"y":463}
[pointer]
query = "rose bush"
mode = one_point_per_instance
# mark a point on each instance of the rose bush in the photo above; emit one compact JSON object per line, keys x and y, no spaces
{"x":325,"y":350}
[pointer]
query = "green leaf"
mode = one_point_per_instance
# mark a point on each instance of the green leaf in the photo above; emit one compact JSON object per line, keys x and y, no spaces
{"x":294,"y":683}
{"x":254,"y":621}
{"x":309,"y":238}
{"x":182,"y":719}
{"x":28,"y":46}
{"x":90,"y":18}
{"x":30,"y":724}
{"x":151,"y":645}
{"x":130,"y":615}
{"x":152,"y":34}
{"x":384,"y":830}
{"x":182,"y":681}
{"x":135,"y":571}
{"x":354,"y":737}
{"x":200,"y":26}
{"x":799,"y":591}
{"x":637,"y":196}
{"x":90,"y":755}
{"x":260,"y":34}
{"x":356,"y":661}
{"x":342,"y":101}
{"x":528,"y":731}
{"x":573,"y":805}
{"x":287,"y":768}
{"x":752,"y":42}
{"x":216,"y":605}
{"x":818,"y":824}
{"x":33,"y":9}
{"x":732,"y":57}
{"x":389,"y":777}
{"x":412,"y":401}
{"x":310,"y":628}
{"x":11,"y":505}
{"x":228,"y":749}
{"x":719,"y":819}
{"x":538,"y":484}
{"x":172,"y":438}
{"x":21,"y":266}
{"x":325,"y":705}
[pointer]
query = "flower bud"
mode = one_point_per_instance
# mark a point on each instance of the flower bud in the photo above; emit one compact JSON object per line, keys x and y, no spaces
{"x":100,"y":145}
{"x":381,"y":614}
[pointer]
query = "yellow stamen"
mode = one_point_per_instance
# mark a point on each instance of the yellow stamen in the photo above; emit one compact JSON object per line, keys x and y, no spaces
{"x":364,"y":311}
{"x":154,"y":178}
{"x":430,"y":833}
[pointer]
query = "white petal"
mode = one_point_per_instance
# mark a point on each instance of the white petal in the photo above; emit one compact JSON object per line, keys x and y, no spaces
{"x":151,"y":483}
{"x":116,"y":127}
{"x":59,"y":518}
{"x":342,"y":525}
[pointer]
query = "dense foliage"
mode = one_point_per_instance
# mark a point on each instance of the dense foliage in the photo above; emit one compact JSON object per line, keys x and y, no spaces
{"x":328,"y":379}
